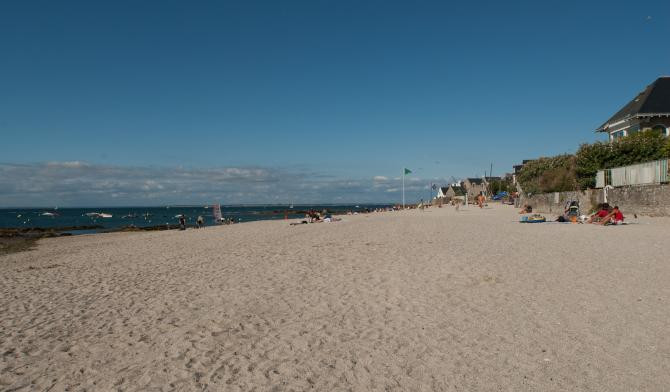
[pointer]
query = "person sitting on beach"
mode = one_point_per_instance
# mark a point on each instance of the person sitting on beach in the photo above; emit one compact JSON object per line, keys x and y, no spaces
{"x":613,"y":218}
{"x":313,"y":216}
{"x":603,"y":211}
{"x":526,"y":209}
{"x":571,"y":213}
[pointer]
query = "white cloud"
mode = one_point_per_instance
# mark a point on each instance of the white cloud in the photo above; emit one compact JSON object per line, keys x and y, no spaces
{"x":71,"y":164}
{"x":77,"y":183}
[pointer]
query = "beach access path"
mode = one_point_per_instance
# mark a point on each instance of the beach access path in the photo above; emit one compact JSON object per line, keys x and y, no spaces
{"x":406,"y":301}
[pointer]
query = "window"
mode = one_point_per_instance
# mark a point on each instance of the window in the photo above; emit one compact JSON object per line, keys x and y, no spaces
{"x":660,"y":129}
{"x":617,"y":135}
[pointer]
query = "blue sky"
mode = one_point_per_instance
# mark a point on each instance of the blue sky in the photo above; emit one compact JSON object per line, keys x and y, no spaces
{"x":326,"y":92}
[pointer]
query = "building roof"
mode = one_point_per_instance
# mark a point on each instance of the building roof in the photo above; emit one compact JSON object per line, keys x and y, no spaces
{"x":475,"y":181}
{"x":653,"y":101}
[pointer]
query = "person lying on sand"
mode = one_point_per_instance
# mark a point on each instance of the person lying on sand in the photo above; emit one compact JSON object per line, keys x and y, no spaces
{"x":330,"y":218}
{"x":304,"y":222}
{"x":526,"y":209}
{"x":327,"y":218}
{"x":613,"y":218}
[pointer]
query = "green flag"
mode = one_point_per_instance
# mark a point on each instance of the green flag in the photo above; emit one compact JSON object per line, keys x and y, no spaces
{"x":407,"y":171}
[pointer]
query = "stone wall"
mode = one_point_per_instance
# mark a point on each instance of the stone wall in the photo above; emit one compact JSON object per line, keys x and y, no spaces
{"x":554,"y":203}
{"x":649,"y":200}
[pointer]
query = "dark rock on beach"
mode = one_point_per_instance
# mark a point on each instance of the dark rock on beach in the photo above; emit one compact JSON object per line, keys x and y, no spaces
{"x":39,"y":232}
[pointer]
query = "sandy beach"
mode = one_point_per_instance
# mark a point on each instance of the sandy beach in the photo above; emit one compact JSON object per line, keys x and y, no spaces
{"x":437,"y":300}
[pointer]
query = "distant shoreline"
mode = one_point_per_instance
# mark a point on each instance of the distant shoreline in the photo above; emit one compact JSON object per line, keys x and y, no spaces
{"x":35,"y":223}
{"x":251,"y":205}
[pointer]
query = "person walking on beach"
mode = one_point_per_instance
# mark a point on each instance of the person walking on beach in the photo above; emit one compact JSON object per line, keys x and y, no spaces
{"x":182,"y":222}
{"x":480,"y":200}
{"x":200,"y":221}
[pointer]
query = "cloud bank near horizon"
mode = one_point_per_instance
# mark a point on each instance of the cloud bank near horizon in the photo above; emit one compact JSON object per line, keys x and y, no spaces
{"x":78,"y":183}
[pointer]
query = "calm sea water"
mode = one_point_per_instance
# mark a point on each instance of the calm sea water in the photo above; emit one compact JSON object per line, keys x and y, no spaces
{"x":154,"y":216}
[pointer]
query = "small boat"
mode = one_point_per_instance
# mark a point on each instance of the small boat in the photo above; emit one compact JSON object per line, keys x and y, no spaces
{"x":98,"y":215}
{"x":49,"y":214}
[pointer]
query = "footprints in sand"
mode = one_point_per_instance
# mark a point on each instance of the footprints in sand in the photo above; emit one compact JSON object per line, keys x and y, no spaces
{"x":335,"y":307}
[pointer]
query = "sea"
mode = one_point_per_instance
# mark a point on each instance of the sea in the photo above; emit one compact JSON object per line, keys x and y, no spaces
{"x":120,"y":217}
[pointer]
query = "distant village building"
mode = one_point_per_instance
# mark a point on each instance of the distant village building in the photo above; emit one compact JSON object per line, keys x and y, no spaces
{"x":442,"y":192}
{"x":649,"y":110}
{"x":474,"y":186}
{"x":450,"y":192}
{"x":455,"y":191}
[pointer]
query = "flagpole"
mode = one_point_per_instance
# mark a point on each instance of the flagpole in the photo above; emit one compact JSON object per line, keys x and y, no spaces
{"x":403,"y":188}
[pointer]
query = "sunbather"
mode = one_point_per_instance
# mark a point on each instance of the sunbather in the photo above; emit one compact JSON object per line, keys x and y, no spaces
{"x":613,"y":218}
{"x":603,"y":211}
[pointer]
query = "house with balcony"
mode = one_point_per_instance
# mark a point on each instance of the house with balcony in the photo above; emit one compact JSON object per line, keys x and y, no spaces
{"x":648,"y":111}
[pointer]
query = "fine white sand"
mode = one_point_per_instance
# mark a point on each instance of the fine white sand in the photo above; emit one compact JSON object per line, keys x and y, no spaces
{"x":406,"y":301}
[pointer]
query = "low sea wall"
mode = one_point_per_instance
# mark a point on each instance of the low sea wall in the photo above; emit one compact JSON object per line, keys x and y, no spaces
{"x":649,"y":200}
{"x":555,"y":202}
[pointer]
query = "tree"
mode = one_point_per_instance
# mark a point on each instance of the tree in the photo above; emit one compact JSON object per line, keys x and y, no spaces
{"x":551,"y":174}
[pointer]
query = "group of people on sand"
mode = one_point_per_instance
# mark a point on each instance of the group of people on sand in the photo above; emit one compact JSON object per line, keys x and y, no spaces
{"x":606,"y":215}
{"x":313,"y":216}
{"x":199,"y":222}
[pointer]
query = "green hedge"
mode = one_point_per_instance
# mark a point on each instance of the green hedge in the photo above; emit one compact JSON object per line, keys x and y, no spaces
{"x":553,"y":174}
{"x":569,"y":172}
{"x":637,"y":148}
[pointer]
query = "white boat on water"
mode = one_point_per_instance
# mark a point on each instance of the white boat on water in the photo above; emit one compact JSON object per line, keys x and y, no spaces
{"x":98,"y":215}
